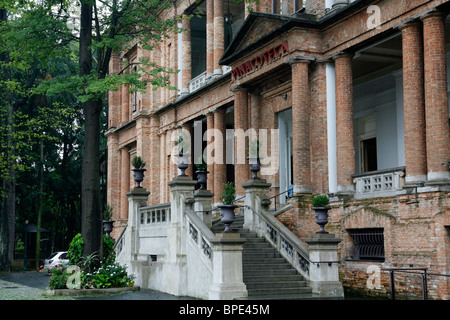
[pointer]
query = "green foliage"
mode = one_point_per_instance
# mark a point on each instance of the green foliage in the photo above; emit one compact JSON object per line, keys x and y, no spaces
{"x":75,"y":252}
{"x":59,"y":277}
{"x":320,"y":201}
{"x":109,"y":255}
{"x":107,"y":212}
{"x":137,"y":162}
{"x":229,"y":193}
{"x":89,"y":262}
{"x":200,"y":164}
{"x":112,"y":276}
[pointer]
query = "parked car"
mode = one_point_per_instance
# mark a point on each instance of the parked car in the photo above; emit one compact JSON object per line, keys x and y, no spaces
{"x":57,"y":258}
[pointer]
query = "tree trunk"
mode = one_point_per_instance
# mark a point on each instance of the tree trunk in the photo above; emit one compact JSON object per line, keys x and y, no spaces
{"x":41,"y":200}
{"x":91,"y":222}
{"x":8,"y":201}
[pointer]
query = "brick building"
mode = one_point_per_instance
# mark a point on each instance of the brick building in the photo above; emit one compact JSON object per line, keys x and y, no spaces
{"x":353,"y":97}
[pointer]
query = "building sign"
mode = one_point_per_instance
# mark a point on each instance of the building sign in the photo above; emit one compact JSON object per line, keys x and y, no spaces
{"x":260,"y":60}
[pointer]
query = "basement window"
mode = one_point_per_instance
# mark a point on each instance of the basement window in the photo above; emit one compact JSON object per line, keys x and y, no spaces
{"x":368,"y":244}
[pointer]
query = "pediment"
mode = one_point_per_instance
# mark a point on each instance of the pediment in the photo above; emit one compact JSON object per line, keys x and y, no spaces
{"x":256,"y":28}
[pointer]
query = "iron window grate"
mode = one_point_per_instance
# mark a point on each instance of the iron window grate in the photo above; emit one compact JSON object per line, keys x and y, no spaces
{"x":368,"y":243}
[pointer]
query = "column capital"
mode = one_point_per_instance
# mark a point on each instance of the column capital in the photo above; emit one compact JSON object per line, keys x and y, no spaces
{"x":238,"y":88}
{"x":300,"y":59}
{"x":341,"y":54}
{"x":432,"y":13}
{"x":407,"y":23}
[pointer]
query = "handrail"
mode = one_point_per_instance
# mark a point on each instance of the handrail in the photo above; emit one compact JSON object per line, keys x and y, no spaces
{"x":424,"y":274}
{"x":119,"y":239}
{"x":279,"y":194}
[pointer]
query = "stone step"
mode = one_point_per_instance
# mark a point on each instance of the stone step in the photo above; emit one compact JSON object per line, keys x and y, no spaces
{"x":276,"y":285}
{"x":266,"y":273}
{"x":278,"y":291}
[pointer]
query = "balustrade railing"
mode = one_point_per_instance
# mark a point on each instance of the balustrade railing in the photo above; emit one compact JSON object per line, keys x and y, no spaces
{"x":379,"y":183}
{"x":156,"y":214}
{"x":197,"y":82}
{"x":200,"y":234}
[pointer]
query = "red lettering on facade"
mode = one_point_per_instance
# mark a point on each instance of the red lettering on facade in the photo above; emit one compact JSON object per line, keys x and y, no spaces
{"x":257,"y":62}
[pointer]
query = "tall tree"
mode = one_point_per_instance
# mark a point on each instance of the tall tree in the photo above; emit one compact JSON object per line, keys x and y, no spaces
{"x":103,"y":28}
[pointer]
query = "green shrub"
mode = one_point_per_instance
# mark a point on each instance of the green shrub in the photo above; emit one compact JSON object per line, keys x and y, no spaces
{"x":229,"y":193}
{"x":109,"y":255}
{"x":75,"y":252}
{"x":59,"y":277}
{"x":320,"y":200}
{"x":112,"y":276}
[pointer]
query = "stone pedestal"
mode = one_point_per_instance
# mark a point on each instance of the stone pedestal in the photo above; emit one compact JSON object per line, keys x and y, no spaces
{"x":137,"y":198}
{"x":203,"y":206}
{"x":181,"y":189}
{"x":256,"y":191}
{"x":323,"y":272}
{"x":228,"y":281}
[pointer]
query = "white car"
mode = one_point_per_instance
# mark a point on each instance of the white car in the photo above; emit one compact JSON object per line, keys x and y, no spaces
{"x":57,"y":258}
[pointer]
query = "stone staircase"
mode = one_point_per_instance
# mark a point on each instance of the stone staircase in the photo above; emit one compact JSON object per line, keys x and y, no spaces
{"x":266,"y":273}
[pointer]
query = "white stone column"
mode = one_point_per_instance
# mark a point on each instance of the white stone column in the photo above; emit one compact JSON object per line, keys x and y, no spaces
{"x":331,"y":127}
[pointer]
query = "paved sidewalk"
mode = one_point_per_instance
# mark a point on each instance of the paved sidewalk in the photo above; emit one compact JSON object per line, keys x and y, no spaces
{"x":31,"y":285}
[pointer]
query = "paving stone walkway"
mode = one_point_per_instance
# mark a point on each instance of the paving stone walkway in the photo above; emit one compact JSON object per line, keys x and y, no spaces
{"x":16,"y":291}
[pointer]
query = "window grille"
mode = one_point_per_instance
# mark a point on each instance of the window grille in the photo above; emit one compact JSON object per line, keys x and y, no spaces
{"x":368,"y":244}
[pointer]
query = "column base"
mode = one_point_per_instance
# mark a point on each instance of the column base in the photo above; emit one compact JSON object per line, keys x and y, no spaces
{"x":301,"y":189}
{"x":438,"y":178}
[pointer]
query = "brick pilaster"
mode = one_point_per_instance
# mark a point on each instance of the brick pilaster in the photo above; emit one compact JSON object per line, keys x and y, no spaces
{"x":219,"y":33}
{"x":413,"y":97}
{"x":344,"y":123}
{"x":113,"y":180}
{"x":125,"y":100}
{"x":209,"y":37}
{"x":186,"y":59}
{"x":241,"y":169}
{"x":210,"y":144}
{"x":114,"y":96}
{"x":124,"y":181}
{"x":154,"y":165}
{"x":436,"y":100}
{"x":220,"y":167}
{"x":300,"y":124}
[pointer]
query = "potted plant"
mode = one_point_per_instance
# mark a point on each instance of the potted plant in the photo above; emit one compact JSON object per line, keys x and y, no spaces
{"x":138,"y":170}
{"x":183,"y":161}
{"x":107,"y":222}
{"x":320,"y":206}
{"x":227,"y":208}
{"x":201,"y":172}
{"x":254,"y":159}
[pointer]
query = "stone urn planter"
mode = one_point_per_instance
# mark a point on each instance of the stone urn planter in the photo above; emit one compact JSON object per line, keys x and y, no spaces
{"x":183,"y":163}
{"x":138,"y":176}
{"x":228,"y":215}
{"x":255,"y":166}
{"x":108,"y":227}
{"x":320,"y":206}
{"x":228,"y":206}
{"x":138,"y":170}
{"x":202,"y":177}
{"x":202,"y":173}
